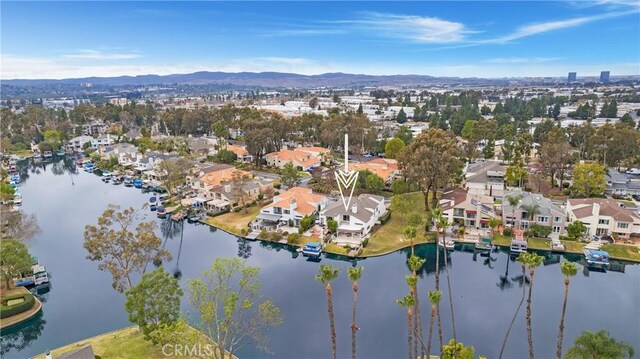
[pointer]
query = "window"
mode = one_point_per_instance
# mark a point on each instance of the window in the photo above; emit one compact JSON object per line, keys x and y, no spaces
{"x":286,"y":211}
{"x":557,"y":219}
{"x":524,"y":224}
{"x":556,"y":229}
{"x":458,"y":212}
{"x":543,"y":219}
{"x":345,"y":217}
{"x":603,"y":221}
{"x":623,"y":225}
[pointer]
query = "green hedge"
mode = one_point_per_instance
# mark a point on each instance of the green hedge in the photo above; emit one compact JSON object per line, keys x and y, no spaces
{"x":9,"y":310}
{"x":385,"y":217}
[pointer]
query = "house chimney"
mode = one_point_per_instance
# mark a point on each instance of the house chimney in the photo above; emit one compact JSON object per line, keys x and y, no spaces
{"x":595,"y":210}
{"x":294,"y":204}
{"x":354,"y":208}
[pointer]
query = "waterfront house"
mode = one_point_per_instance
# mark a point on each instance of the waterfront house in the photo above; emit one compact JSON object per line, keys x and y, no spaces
{"x":288,"y":208}
{"x":222,"y":186}
{"x":356,"y":222}
{"x":106,"y":140}
{"x":549,"y":214}
{"x":604,"y":216}
{"x":302,"y":160}
{"x":464,"y":208}
{"x":76,"y":144}
{"x":385,"y":168}
{"x":486,"y":178}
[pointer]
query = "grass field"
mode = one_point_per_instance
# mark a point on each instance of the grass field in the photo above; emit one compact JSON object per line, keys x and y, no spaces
{"x":234,"y":222}
{"x":390,"y":236}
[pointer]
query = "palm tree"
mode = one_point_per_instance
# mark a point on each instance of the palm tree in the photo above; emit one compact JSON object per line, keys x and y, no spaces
{"x":443,"y":223}
{"x":354,"y":275}
{"x":410,"y":233}
{"x":326,"y":274}
{"x":415,"y":263}
{"x":434,"y":299}
{"x":408,"y":302}
{"x":532,"y":260}
{"x":436,"y":214}
{"x":532,"y":210}
{"x":568,"y":269}
{"x":521,"y":259}
{"x":412,"y":283}
{"x":494,"y":223}
{"x":514,"y":202}
{"x":590,"y":345}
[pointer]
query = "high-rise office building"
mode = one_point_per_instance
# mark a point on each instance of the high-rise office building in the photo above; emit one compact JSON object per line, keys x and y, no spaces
{"x":572,"y":77}
{"x":604,"y":77}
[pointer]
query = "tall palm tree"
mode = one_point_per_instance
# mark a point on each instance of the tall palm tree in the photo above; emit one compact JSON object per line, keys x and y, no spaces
{"x":514,"y":202}
{"x":568,"y":269}
{"x":408,"y":302}
{"x":436,"y":214}
{"x":590,"y":345}
{"x":415,"y":263}
{"x":532,"y":210}
{"x":521,"y":259}
{"x":410,"y":233}
{"x":532,"y":260}
{"x":327,"y":274}
{"x":354,"y":275}
{"x":434,"y":299}
{"x":443,"y":223}
{"x":411,"y":283}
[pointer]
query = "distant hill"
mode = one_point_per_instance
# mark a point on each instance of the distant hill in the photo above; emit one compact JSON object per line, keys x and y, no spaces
{"x":263,"y":79}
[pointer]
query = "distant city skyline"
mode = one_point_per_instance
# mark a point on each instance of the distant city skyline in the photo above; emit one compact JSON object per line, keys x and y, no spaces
{"x":49,"y":40}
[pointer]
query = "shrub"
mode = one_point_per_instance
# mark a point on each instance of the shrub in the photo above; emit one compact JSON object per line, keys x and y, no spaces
{"x":293,"y":238}
{"x":277,"y":184}
{"x":332,"y":225}
{"x":365,"y":242}
{"x":260,"y":196}
{"x":537,"y":230}
{"x":244,"y":231}
{"x":385,"y":217}
{"x":507,"y":231}
{"x":9,"y":310}
{"x":263,"y":234}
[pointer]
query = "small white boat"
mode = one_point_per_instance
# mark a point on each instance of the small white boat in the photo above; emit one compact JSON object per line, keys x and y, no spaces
{"x":40,"y":274}
{"x":448,"y":244}
{"x":518,"y":246}
{"x":17,"y":199}
{"x":557,"y":246}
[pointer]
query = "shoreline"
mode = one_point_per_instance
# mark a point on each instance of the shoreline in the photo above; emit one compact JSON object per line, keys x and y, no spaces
{"x":22,"y":317}
{"x":427,"y":241}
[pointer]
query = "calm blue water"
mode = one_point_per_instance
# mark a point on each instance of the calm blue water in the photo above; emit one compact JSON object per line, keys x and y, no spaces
{"x":486,"y":290}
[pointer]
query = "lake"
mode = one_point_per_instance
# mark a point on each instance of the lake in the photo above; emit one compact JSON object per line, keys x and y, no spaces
{"x":486,"y":290}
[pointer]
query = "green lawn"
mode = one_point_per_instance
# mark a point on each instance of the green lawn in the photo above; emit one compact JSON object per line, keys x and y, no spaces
{"x":234,"y":222}
{"x":126,"y":343}
{"x":390,"y":236}
{"x":622,"y":251}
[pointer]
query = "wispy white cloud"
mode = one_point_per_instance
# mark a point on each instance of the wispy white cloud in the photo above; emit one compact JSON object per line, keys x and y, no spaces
{"x":302,"y":32}
{"x":411,"y":27}
{"x":543,"y":27}
{"x":521,"y":60}
{"x":99,"y":55}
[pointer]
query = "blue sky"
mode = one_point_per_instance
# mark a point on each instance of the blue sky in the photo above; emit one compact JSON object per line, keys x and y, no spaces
{"x":483,"y":39}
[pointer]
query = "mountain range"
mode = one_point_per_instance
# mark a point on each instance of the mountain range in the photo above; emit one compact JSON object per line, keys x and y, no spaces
{"x":262,"y":79}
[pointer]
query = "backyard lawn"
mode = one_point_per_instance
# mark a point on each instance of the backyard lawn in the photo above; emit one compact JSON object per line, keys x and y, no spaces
{"x":126,"y":343}
{"x":390,"y":236}
{"x":234,"y":222}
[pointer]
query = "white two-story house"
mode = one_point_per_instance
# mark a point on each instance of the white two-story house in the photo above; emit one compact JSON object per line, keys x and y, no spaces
{"x":604,"y":216}
{"x":289,"y":207}
{"x":356,"y":222}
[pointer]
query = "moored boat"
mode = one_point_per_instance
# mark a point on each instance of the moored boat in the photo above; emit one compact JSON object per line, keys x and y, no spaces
{"x":161,"y":212}
{"x":484,"y":244}
{"x":518,"y":246}
{"x":557,"y":246}
{"x":448,"y":244}
{"x":312,"y":249}
{"x":596,"y":258}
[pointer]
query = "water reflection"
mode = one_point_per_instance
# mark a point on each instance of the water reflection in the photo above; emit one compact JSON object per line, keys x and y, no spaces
{"x":244,"y":248}
{"x":21,"y":335}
